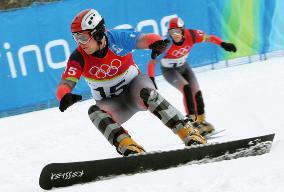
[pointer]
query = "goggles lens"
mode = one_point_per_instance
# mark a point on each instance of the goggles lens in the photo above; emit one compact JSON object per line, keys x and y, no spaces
{"x":173,"y":32}
{"x":82,"y":37}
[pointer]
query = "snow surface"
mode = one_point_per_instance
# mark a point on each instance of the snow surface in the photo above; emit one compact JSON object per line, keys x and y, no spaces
{"x":246,"y":100}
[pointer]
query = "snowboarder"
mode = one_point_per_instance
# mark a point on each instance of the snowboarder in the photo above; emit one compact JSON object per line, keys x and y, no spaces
{"x":104,"y":58}
{"x":176,"y":70}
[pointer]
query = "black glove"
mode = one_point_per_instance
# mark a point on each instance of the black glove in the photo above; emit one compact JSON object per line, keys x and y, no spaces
{"x":229,"y":47}
{"x":68,"y":100}
{"x":153,"y":80}
{"x":158,"y":47}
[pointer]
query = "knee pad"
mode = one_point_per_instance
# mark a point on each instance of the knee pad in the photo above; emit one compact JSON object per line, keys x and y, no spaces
{"x":93,"y":108}
{"x":161,"y":108}
{"x":104,"y":122}
{"x":147,"y":94}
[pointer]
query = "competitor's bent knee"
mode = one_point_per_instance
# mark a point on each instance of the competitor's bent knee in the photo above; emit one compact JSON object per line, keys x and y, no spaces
{"x":104,"y":122}
{"x":148,"y":94}
{"x":93,"y":108}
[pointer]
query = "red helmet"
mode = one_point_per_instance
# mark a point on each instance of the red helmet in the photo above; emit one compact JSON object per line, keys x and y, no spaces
{"x":176,"y":22}
{"x":89,"y":20}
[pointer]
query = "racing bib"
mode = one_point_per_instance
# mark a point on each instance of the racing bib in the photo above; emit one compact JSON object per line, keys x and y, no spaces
{"x":112,"y":87}
{"x":172,"y":63}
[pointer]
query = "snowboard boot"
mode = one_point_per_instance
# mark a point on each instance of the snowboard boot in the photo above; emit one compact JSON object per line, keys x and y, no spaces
{"x":201,"y":125}
{"x":207,"y":128}
{"x":127,"y":146}
{"x":190,"y":136}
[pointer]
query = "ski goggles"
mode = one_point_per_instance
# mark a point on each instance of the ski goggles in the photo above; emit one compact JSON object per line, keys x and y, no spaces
{"x":82,"y":37}
{"x":173,"y":32}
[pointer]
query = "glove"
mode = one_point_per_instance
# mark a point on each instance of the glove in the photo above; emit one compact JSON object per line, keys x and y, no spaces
{"x":229,"y":47}
{"x":68,"y":100}
{"x":158,"y":47}
{"x":153,"y":80}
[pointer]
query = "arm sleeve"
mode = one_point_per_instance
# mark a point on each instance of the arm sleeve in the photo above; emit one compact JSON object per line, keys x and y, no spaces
{"x":74,"y":67}
{"x":199,"y":36}
{"x":126,"y":38}
{"x":150,"y":38}
{"x":151,"y":68}
{"x":71,"y":75}
{"x":62,"y":90}
{"x":213,"y":39}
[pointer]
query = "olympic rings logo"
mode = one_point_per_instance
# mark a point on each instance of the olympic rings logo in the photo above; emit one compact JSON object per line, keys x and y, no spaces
{"x":182,"y":51}
{"x":106,"y":70}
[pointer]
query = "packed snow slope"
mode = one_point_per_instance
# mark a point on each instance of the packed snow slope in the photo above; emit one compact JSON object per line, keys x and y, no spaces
{"x":246,"y":100}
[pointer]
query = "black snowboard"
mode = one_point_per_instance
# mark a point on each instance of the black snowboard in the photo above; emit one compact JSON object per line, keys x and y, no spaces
{"x":66,"y":174}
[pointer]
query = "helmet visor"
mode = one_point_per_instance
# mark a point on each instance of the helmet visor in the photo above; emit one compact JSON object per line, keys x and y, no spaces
{"x":82,"y":37}
{"x":173,"y":32}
